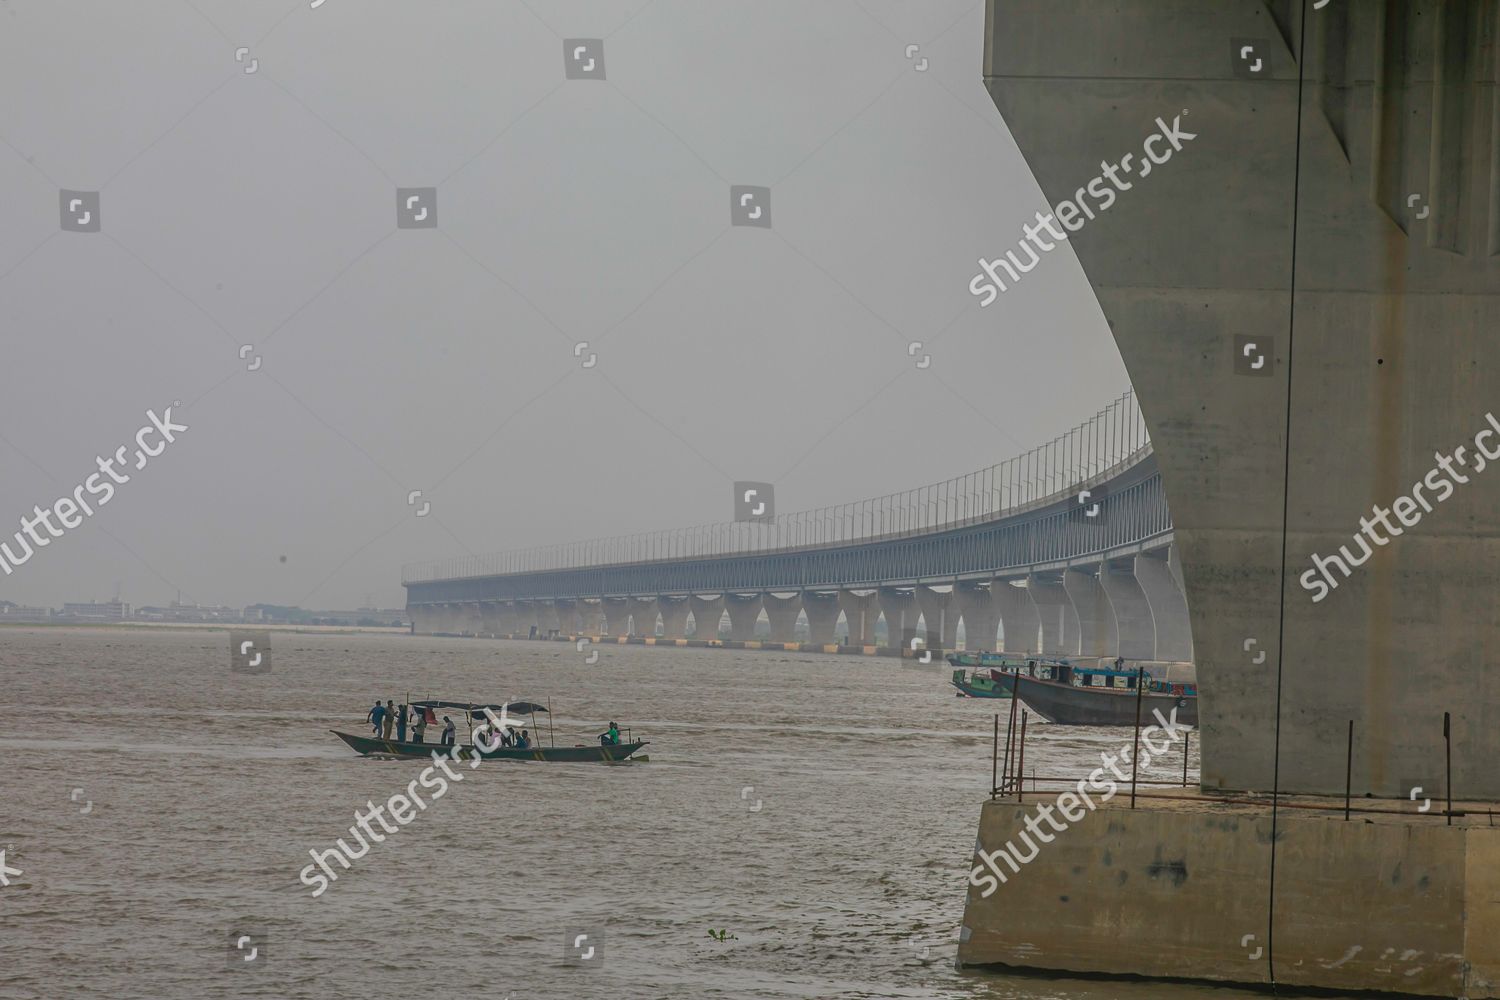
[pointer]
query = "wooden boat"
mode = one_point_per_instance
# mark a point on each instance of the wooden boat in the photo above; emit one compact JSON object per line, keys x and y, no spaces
{"x":490,"y":749}
{"x":995,"y":680}
{"x":980,"y":658}
{"x":582,"y":753}
{"x":1106,"y":696}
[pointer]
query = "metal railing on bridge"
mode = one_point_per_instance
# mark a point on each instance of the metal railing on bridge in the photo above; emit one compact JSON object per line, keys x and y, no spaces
{"x":1112,"y":440}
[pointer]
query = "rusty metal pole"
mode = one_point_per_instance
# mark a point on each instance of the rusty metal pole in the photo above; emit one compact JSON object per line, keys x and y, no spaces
{"x":995,"y":756}
{"x":1135,"y":751}
{"x":1187,"y":745}
{"x":1348,"y":770}
{"x":1021,"y":767}
{"x":1448,"y":763}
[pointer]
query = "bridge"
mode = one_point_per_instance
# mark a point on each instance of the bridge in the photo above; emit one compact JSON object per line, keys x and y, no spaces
{"x":1067,"y":550}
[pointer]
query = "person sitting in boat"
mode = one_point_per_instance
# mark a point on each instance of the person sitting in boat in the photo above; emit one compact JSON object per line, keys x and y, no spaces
{"x":449,"y":730}
{"x":611,"y":738}
{"x":523,"y":741}
{"x":374,"y":716}
{"x":505,"y":737}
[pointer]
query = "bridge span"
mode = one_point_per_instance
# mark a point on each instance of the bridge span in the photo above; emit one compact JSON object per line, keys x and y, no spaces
{"x":1066,"y":550}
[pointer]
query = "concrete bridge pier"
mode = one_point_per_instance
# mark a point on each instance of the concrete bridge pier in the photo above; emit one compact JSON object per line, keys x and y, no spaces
{"x":466,"y":620}
{"x":590,"y":616}
{"x":975,"y":603}
{"x":782,"y":613}
{"x":1019,"y":618}
{"x":822,"y":608}
{"x":860,"y":614}
{"x":901,"y":612}
{"x":617,"y":615}
{"x":546,"y":617}
{"x":1098,"y":634}
{"x":744,"y":612}
{"x":566,"y":610}
{"x":1137,"y":632}
{"x":489,"y":618}
{"x":1060,"y":630}
{"x":708,"y":614}
{"x":643,"y":612}
{"x":674,"y":616}
{"x":940,"y":616}
{"x":1169,"y":611}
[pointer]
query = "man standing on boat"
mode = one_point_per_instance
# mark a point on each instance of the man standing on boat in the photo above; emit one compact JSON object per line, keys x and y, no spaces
{"x":419,"y":725}
{"x":389,"y":719}
{"x":375,"y":715}
{"x":448,"y":730}
{"x":401,"y":723}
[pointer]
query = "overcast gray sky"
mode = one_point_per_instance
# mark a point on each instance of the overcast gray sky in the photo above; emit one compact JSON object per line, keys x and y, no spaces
{"x":259,"y":208}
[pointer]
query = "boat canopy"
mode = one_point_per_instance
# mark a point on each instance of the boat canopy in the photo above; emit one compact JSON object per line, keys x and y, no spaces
{"x":474,"y":708}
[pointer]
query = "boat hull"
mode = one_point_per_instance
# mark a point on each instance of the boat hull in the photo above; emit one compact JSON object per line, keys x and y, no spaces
{"x":1067,"y":705}
{"x":582,"y":754}
{"x":998,"y":688}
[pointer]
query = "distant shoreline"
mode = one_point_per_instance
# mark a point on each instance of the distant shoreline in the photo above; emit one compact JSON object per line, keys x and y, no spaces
{"x":212,"y":627}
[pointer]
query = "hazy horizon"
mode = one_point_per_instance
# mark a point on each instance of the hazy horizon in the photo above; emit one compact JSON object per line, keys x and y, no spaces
{"x":259,"y":208}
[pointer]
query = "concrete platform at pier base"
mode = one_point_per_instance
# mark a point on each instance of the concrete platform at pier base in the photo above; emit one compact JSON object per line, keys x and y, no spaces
{"x":1179,"y":888}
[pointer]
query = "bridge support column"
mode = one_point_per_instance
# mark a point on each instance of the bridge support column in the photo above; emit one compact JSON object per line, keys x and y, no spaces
{"x":566,"y":610}
{"x":860,"y":613}
{"x":466,"y":620}
{"x":422,"y":618}
{"x":941,"y":617}
{"x":708,"y":614}
{"x":643,"y":611}
{"x":1018,"y":618}
{"x":783,"y":612}
{"x":526,"y":617}
{"x":822,"y":615}
{"x":546,"y":617}
{"x":617,"y":615}
{"x":674,"y":615}
{"x":509,"y":614}
{"x":900,"y":610}
{"x":489,"y":616}
{"x":1132,"y":614}
{"x":1059,"y":618}
{"x":1169,"y":610}
{"x":591,"y":616}
{"x":976,"y":604}
{"x":744,"y":612}
{"x":1098,"y":635}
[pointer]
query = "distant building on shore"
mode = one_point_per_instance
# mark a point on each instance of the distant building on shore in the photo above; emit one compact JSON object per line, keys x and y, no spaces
{"x":96,"y":610}
{"x":10,"y":611}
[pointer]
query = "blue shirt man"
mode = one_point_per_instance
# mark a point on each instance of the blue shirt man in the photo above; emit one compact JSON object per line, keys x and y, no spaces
{"x":377,"y":714}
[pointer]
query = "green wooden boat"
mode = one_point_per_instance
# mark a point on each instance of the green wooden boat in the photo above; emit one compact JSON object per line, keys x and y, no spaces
{"x":997,"y":677}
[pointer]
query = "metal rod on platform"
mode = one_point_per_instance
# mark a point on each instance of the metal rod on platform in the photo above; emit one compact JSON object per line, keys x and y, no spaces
{"x":550,"y":733}
{"x":1015,"y":707}
{"x":995,"y":756}
{"x":1448,"y":762}
{"x":1187,"y":745}
{"x":1135,"y":752}
{"x":1021,"y":767}
{"x":1348,"y":770}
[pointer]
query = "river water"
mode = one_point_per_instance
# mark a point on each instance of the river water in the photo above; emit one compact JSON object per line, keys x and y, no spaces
{"x":819,"y":809}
